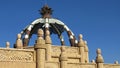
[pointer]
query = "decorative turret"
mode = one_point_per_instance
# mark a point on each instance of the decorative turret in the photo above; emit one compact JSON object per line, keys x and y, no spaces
{"x":49,"y":26}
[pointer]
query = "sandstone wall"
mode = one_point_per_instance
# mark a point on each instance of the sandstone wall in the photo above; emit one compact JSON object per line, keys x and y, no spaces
{"x":26,"y":58}
{"x":111,"y":65}
{"x":17,"y":65}
{"x":72,"y":54}
{"x":79,"y":65}
{"x":17,"y":58}
{"x":52,"y":65}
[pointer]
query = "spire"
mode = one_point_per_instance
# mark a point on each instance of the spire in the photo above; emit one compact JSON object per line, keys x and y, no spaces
{"x":46,"y":11}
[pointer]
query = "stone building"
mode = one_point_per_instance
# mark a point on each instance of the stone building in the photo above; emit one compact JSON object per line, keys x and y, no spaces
{"x":43,"y":54}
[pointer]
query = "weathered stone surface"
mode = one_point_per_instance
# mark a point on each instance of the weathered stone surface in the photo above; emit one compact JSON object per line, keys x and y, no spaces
{"x":26,"y":58}
{"x":111,"y":65}
{"x":16,"y":55}
{"x":52,"y":65}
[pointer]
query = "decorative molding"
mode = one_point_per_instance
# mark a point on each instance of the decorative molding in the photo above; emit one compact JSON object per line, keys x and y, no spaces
{"x":68,"y":49}
{"x":72,"y":50}
{"x":14,"y":55}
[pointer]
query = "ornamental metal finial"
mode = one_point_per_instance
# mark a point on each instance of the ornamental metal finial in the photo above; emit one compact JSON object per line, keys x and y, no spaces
{"x":46,"y":11}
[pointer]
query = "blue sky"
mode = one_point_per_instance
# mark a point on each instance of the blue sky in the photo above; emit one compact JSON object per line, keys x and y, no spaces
{"x":97,"y":20}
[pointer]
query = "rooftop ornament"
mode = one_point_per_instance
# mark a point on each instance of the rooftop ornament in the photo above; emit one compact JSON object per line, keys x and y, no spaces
{"x":47,"y":23}
{"x":46,"y":11}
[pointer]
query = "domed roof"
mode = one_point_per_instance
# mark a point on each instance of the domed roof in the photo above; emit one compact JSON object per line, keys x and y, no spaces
{"x":46,"y":22}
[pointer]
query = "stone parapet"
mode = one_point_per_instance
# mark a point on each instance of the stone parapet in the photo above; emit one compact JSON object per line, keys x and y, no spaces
{"x":17,"y":55}
{"x":111,"y":65}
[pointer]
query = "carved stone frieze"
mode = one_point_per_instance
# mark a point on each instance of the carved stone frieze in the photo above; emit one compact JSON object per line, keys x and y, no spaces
{"x":72,"y":50}
{"x":14,"y":55}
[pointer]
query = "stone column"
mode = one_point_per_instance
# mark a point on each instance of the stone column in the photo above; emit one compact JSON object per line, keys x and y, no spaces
{"x":99,"y":59}
{"x":48,"y":43}
{"x":81,"y":46}
{"x":63,"y":58}
{"x":40,"y":50}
